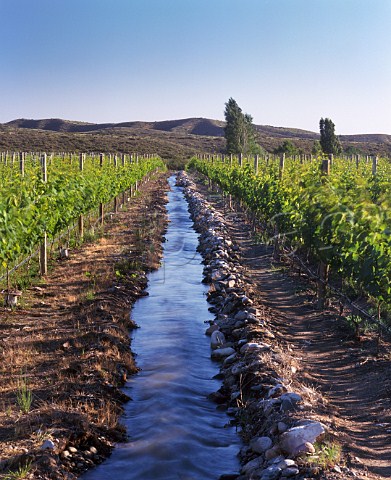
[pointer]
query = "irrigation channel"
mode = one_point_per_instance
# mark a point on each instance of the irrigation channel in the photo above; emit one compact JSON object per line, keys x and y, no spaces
{"x":175,"y":431}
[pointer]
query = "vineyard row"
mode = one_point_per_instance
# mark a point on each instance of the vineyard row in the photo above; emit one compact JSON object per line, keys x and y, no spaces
{"x":335,"y":211}
{"x":42,"y":195}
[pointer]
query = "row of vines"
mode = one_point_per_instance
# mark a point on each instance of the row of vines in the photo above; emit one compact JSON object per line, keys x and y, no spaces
{"x":42,"y":195}
{"x":342,"y":218}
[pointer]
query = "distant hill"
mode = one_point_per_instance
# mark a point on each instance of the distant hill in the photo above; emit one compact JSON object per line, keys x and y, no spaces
{"x":193,"y":126}
{"x":170,"y":138}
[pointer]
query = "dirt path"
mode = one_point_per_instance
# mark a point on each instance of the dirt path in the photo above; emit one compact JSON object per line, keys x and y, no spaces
{"x":355,"y":383}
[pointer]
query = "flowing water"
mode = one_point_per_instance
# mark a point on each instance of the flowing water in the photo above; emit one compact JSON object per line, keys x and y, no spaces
{"x":175,"y":432}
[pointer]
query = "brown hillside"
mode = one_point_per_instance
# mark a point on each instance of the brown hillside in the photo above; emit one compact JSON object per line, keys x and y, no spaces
{"x":171,"y":138}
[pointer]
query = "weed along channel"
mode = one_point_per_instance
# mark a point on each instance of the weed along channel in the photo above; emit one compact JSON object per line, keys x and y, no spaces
{"x":174,"y":430}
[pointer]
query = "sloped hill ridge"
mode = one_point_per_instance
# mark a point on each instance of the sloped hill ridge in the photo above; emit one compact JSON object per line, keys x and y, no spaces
{"x":194,"y":126}
{"x":170,"y":138}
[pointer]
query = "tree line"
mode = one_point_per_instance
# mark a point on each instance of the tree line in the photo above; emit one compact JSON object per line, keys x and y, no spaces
{"x":240,"y":135}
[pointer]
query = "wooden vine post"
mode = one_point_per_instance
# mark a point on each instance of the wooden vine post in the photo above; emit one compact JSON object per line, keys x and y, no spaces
{"x":131,"y":193}
{"x":81,"y":218}
{"x":256,"y":164}
{"x":276,"y":243}
{"x":123,"y":166}
{"x":116,"y":197}
{"x":136,"y":183}
{"x":323,"y":268}
{"x":21,"y":163}
{"x":282,"y":165}
{"x":374,"y":165}
{"x":101,"y":205}
{"x":43,"y":250}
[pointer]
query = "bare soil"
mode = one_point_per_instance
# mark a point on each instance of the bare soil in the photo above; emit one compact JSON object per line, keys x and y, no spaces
{"x":350,"y":377}
{"x":68,"y":346}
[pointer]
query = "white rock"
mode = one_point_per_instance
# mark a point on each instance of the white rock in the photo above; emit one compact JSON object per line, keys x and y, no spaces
{"x":247,"y":301}
{"x":252,"y":347}
{"x":217,"y":339}
{"x":47,"y":445}
{"x":286,"y":463}
{"x":221,"y":353}
{"x":293,"y":440}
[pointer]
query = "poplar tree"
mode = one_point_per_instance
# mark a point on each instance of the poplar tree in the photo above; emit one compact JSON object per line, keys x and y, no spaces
{"x":328,"y":140}
{"x":234,"y":126}
{"x":239,"y":130}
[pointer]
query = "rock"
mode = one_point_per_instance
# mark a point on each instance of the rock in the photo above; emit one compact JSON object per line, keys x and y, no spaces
{"x":247,"y":301}
{"x":294,"y":440}
{"x":228,"y":308}
{"x":252,"y":465}
{"x":47,"y":445}
{"x":221,"y":353}
{"x":66,"y":454}
{"x":286,"y":463}
{"x":275,"y":461}
{"x":272,"y":452}
{"x":271,"y":473}
{"x":261,"y":444}
{"x":252,"y":347}
{"x":289,"y":401}
{"x":230,"y":359}
{"x":237,"y":369}
{"x":268,"y":405}
{"x":217,"y":339}
{"x":241,"y":315}
{"x":235,"y":395}
{"x":253,"y":320}
{"x":282,"y":427}
{"x":276,"y":391}
{"x":268,"y":334}
{"x":72,"y":449}
{"x":93,"y":450}
{"x":290,"y":472}
{"x":308,"y":448}
{"x":211,"y":329}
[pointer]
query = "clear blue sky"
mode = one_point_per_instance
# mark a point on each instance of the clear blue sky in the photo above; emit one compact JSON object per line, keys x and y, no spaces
{"x":286,"y":62}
